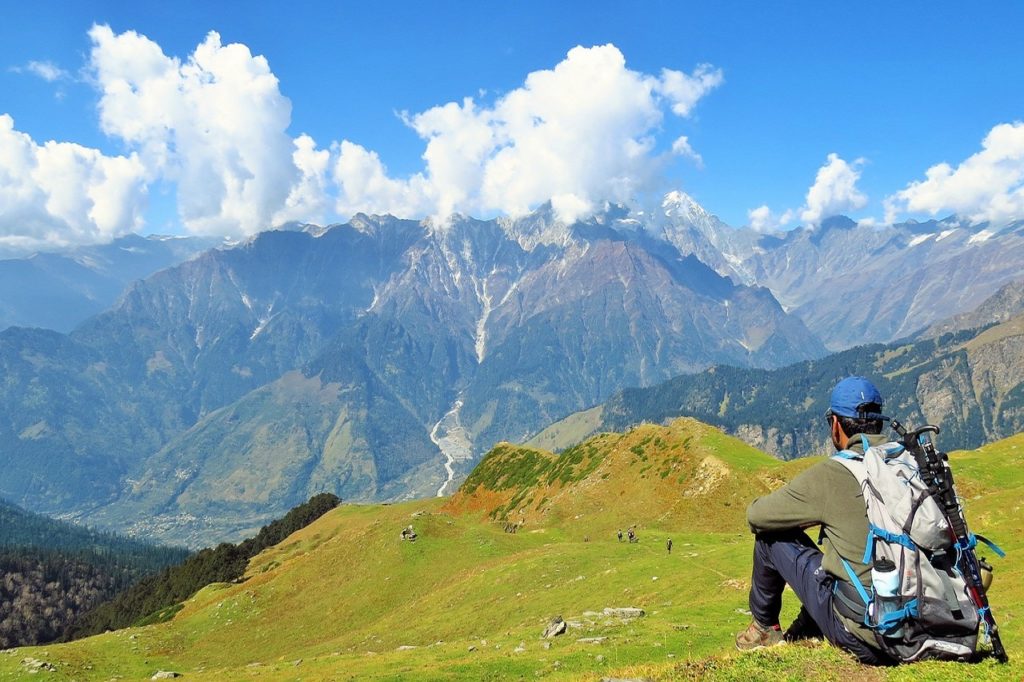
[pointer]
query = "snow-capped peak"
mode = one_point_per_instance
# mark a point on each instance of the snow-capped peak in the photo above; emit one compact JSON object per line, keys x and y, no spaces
{"x":679,"y":204}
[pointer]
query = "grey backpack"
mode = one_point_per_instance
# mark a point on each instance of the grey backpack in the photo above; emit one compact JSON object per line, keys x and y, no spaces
{"x":918,"y":604}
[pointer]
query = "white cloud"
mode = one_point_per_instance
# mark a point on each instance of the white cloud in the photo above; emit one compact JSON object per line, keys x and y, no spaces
{"x":681,"y":147}
{"x":685,"y":91}
{"x":61,"y":193}
{"x":762,"y":219}
{"x":365,"y":185}
{"x":215,"y":124}
{"x":988,"y":185}
{"x":308,"y":199}
{"x":48,"y":71}
{"x":834,"y":190}
{"x":579,"y":134}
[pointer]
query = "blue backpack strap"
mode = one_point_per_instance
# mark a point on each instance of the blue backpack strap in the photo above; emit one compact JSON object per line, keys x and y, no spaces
{"x":973,"y":542}
{"x":890,"y":621}
{"x":848,"y":454}
{"x":856,"y":582}
{"x":864,"y":442}
{"x":895,"y":538}
{"x":869,"y":547}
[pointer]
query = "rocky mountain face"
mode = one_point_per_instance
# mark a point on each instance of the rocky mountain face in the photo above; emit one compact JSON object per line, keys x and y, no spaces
{"x":62,"y":289}
{"x":376,"y":360}
{"x":379,"y":359}
{"x":853,"y":284}
{"x":969,"y":383}
{"x":1004,"y":305}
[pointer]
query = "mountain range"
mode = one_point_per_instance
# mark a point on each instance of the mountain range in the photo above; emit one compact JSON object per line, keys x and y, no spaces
{"x":347,"y":359}
{"x":856,"y":283}
{"x":380,"y":358}
{"x":59,"y":290}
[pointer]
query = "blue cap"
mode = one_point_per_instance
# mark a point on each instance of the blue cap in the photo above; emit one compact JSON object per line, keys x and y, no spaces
{"x":852,"y":395}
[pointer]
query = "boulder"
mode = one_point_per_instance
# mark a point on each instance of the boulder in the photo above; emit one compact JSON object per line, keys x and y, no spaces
{"x":555,"y":627}
{"x":165,"y":675}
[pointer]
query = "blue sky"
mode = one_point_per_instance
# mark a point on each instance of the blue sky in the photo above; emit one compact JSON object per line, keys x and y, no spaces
{"x":890,"y":89}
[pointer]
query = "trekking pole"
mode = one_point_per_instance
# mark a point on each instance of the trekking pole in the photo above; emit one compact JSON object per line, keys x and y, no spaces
{"x":934,"y":468}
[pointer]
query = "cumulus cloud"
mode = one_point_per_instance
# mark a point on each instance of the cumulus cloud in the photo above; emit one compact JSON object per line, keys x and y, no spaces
{"x":988,"y":185}
{"x":365,"y":185}
{"x":578,"y":135}
{"x":762,"y":219}
{"x":834,"y":190}
{"x":308,"y":199}
{"x":214,"y":124}
{"x":61,"y":193}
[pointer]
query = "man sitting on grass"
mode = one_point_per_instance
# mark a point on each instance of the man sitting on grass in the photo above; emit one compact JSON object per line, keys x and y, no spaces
{"x":826,"y":495}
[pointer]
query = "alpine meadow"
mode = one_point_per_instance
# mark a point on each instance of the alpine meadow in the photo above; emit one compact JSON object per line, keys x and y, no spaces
{"x":578,"y":341}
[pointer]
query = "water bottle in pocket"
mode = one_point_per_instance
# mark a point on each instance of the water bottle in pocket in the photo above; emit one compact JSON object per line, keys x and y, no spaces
{"x":885,"y":580}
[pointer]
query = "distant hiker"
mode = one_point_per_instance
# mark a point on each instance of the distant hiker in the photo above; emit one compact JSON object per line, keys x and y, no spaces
{"x":668,"y":545}
{"x":620,"y":535}
{"x":826,"y":495}
{"x":632,"y":535}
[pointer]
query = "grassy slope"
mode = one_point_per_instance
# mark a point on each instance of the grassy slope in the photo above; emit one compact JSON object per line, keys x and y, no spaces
{"x":344,"y":594}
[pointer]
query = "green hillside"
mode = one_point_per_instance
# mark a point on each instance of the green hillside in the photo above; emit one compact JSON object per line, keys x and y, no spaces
{"x":346,"y":598}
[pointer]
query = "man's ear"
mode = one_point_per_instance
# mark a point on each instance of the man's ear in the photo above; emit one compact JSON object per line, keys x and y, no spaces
{"x":838,"y":436}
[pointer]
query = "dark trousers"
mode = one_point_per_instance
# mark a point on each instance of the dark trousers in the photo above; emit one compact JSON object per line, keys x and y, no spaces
{"x":791,"y":558}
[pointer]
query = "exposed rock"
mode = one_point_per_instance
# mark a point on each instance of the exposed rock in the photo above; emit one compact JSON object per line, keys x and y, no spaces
{"x":165,"y":675}
{"x":591,"y":640}
{"x":34,"y":665}
{"x":556,"y":627}
{"x":624,"y":612}
{"x":406,"y":647}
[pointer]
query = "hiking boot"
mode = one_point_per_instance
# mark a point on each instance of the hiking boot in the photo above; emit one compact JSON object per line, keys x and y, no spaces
{"x":757,"y":636}
{"x":802,"y":627}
